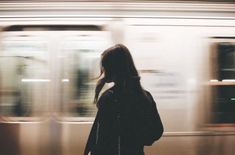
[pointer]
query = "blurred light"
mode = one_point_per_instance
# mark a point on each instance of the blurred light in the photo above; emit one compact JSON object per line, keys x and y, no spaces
{"x":35,"y":80}
{"x":228,"y":80}
{"x":65,"y":80}
{"x":214,"y":80}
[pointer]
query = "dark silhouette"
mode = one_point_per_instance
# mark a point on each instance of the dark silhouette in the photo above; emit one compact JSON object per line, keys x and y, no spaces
{"x":127,"y":117}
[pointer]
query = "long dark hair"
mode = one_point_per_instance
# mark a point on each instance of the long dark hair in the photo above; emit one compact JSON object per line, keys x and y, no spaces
{"x":117,"y":66}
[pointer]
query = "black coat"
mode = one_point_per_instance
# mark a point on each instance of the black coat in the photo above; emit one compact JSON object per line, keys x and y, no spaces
{"x":109,"y":136}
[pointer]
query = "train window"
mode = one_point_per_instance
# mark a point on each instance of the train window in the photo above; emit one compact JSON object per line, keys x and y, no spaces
{"x":226,"y":61}
{"x":80,"y":65}
{"x":223,"y":82}
{"x":24,"y":76}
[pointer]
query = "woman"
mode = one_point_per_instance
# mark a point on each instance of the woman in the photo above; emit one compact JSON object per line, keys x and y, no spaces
{"x":117,"y":126}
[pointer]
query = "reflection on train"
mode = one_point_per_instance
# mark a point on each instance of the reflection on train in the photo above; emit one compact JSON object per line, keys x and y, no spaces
{"x":49,"y":61}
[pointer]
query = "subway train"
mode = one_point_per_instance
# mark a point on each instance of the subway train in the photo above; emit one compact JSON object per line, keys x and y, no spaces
{"x":49,"y":61}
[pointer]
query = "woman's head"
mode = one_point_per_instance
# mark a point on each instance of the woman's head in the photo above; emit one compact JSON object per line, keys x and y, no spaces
{"x":117,"y":66}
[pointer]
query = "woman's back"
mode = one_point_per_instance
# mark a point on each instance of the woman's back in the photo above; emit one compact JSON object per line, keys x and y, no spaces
{"x":118,"y":120}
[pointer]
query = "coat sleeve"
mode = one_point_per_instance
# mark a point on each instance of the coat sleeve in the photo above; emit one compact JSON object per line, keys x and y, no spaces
{"x":157,"y":116}
{"x":92,"y":136}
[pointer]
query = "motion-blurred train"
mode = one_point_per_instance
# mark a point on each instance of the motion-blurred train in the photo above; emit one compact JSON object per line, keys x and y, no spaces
{"x":49,"y":57}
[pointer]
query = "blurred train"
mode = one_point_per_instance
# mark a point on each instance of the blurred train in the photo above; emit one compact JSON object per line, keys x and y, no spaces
{"x":49,"y":57}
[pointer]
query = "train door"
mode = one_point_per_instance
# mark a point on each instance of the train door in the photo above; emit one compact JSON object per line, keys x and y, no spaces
{"x":79,"y":65}
{"x":222,"y":81}
{"x":25,"y":84}
{"x":220,"y":117}
{"x":46,"y":89}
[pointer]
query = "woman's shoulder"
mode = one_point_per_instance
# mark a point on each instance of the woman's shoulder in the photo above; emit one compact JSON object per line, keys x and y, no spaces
{"x":105,"y":97}
{"x":150,"y":98}
{"x":148,"y":93}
